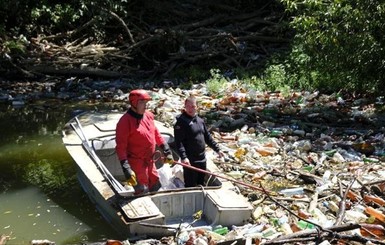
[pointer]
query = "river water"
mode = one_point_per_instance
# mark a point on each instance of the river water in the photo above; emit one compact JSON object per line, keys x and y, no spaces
{"x":40,"y":197}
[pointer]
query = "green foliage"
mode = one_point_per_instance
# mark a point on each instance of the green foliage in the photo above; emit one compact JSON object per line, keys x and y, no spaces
{"x":14,"y":46}
{"x":215,"y":84}
{"x":338,"y":44}
{"x":57,"y":17}
{"x":275,"y":76}
{"x":45,"y":175}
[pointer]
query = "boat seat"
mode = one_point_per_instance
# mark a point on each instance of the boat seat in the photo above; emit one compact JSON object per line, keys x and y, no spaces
{"x":221,"y":205}
{"x":139,"y":208}
{"x":228,"y":200}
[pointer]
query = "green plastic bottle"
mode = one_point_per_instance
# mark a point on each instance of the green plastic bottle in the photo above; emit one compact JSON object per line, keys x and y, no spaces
{"x":305,"y":225}
{"x":221,"y":230}
{"x":276,"y":133}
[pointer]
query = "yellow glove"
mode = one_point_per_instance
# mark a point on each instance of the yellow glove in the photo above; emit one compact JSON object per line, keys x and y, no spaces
{"x":128,"y":173}
{"x":132,"y":181}
{"x":169,"y":159}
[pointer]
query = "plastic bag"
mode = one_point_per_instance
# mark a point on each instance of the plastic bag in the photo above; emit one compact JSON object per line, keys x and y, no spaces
{"x":166,"y":177}
{"x":177,"y":172}
{"x":171,"y":177}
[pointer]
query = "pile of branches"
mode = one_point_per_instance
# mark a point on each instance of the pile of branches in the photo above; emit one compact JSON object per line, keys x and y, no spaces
{"x":158,"y":39}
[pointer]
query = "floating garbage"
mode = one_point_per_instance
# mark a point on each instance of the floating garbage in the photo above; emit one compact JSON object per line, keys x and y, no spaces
{"x":323,"y":148}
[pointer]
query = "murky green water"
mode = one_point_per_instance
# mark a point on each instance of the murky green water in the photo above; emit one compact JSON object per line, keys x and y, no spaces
{"x":40,"y":197}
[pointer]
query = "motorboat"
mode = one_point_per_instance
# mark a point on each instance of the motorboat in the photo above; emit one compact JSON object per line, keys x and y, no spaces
{"x":90,"y":140}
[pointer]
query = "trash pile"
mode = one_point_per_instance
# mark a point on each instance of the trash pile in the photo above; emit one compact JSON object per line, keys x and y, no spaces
{"x":319,"y":160}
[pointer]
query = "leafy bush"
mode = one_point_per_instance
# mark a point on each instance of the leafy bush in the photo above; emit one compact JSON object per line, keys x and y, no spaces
{"x":58,"y":17}
{"x":14,"y":46}
{"x":338,"y":44}
{"x":216,"y":83}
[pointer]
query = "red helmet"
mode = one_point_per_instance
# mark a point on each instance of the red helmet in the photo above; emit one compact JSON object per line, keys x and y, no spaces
{"x":136,"y":95}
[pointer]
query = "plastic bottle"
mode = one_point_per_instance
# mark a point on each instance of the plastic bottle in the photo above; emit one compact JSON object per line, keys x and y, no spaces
{"x":304,"y":225}
{"x":286,"y":229}
{"x":303,"y":145}
{"x":322,"y":188}
{"x":355,"y":216}
{"x":375,"y":213}
{"x":276,"y":133}
{"x":331,"y":205}
{"x":254,"y":230}
{"x":352,"y":196}
{"x":284,"y":226}
{"x":326,"y":175}
{"x":299,"y":132}
{"x":292,"y":191}
{"x":221,"y":230}
{"x":270,"y":231}
{"x":320,"y":218}
{"x":215,"y":236}
{"x":374,"y":199}
{"x":266,"y":151}
{"x":349,"y":156}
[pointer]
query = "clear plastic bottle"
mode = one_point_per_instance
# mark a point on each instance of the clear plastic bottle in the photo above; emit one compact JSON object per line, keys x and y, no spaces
{"x":292,"y":191}
{"x":254,"y":230}
{"x":284,"y":226}
{"x":331,"y":205}
{"x":355,"y":216}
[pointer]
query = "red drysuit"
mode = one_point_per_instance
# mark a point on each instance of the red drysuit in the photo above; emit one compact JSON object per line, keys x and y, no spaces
{"x":136,"y":139}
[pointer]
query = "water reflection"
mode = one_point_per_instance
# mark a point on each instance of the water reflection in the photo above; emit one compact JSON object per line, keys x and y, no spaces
{"x":40,"y":197}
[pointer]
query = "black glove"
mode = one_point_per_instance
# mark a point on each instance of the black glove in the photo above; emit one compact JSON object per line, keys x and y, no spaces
{"x":168,"y":157}
{"x":128,"y":173}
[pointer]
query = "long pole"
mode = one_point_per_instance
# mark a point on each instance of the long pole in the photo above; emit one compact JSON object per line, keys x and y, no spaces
{"x":222,"y":177}
{"x":116,"y":185}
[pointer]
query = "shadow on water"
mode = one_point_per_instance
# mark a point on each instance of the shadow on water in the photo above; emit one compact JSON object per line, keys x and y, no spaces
{"x":40,"y":197}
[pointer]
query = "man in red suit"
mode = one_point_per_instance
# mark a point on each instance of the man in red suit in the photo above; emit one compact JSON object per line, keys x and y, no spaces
{"x":136,"y":140}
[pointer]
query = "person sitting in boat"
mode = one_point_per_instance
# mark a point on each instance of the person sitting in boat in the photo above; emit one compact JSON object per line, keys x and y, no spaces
{"x":191,"y":136}
{"x":136,"y":140}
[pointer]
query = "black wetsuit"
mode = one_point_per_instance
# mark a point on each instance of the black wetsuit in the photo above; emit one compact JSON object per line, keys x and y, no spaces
{"x":191,"y":137}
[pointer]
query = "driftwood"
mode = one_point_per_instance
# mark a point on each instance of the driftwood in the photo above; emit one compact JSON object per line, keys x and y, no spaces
{"x":78,"y":72}
{"x":218,"y":36}
{"x":328,"y":234}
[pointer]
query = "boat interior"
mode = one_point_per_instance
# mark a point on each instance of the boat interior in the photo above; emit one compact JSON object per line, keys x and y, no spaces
{"x":175,"y":207}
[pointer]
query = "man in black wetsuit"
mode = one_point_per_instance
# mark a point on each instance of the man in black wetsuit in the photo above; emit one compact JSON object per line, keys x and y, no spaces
{"x":191,"y":136}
